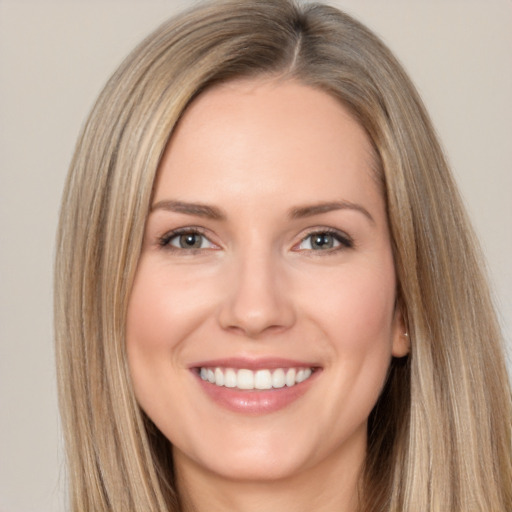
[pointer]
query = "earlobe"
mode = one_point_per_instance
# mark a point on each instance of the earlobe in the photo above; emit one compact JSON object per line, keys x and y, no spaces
{"x":401,"y":345}
{"x":401,"y":340}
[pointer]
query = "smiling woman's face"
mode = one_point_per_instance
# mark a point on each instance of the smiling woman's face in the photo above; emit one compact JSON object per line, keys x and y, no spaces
{"x":262,"y":319}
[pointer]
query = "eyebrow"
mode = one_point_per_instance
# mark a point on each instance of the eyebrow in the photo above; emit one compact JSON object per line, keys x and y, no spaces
{"x":197,"y":209}
{"x":301,"y":212}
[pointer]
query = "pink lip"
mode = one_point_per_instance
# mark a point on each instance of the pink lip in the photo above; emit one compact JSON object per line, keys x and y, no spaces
{"x":254,"y":402}
{"x":253,"y":363}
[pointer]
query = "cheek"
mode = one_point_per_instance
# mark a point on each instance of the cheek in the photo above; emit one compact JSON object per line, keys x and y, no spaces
{"x":146,"y":334}
{"x":148,"y":321}
{"x":356,"y":316}
{"x":357,"y":308}
{"x":158,"y":318}
{"x":165,"y":305}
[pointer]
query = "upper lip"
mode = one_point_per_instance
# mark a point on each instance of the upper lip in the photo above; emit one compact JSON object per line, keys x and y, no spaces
{"x":253,"y":363}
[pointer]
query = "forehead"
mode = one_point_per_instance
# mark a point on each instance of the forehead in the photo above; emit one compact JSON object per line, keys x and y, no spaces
{"x":267,"y":136}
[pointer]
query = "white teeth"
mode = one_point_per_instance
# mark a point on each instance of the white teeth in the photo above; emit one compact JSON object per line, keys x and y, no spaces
{"x":290,"y":377}
{"x":263,"y":379}
{"x":303,"y":374}
{"x":278,"y":378}
{"x":245,"y":379}
{"x":219,"y":377}
{"x":259,"y":379}
{"x":229,"y":378}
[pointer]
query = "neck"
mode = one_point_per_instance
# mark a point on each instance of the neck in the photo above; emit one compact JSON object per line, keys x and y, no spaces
{"x":331,"y":487}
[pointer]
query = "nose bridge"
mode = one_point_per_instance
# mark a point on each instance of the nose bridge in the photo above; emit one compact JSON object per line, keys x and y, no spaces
{"x":256,"y":300}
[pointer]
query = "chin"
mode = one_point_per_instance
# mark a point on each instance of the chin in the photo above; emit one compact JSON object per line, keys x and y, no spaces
{"x":257,"y":462}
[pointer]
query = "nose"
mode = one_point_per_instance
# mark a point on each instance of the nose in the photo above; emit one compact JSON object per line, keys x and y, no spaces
{"x":257,"y":298}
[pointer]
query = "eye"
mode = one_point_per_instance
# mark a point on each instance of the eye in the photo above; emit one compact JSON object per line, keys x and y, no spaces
{"x":186,"y":239}
{"x":324,"y":241}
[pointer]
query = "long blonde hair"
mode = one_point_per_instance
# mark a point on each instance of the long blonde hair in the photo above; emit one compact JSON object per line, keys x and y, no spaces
{"x":440,"y":434}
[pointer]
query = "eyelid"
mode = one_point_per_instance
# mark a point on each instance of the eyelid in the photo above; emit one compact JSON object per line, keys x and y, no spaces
{"x":345,"y":241}
{"x":164,"y":240}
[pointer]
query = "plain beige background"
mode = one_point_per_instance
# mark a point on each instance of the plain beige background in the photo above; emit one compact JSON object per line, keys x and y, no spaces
{"x":54,"y":58}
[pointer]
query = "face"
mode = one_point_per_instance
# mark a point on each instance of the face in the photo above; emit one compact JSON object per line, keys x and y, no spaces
{"x":262,"y":318}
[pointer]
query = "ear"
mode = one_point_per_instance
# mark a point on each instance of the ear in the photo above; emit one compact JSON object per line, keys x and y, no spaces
{"x":401,"y":342}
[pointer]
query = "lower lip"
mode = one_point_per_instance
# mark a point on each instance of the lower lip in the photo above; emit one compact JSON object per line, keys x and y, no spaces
{"x":256,"y":401}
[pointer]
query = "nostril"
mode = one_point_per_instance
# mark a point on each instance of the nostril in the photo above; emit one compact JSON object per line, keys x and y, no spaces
{"x":254,"y":331}
{"x":254,"y":321}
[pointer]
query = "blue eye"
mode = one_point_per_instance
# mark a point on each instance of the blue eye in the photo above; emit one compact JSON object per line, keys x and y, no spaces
{"x":324,"y":241}
{"x":186,"y":240}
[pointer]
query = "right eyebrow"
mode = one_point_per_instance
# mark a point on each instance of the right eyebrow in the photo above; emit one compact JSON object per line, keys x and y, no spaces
{"x":317,"y":209}
{"x":196,"y":209}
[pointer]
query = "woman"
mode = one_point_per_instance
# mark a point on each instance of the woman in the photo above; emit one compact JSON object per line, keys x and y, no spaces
{"x":268,"y":293}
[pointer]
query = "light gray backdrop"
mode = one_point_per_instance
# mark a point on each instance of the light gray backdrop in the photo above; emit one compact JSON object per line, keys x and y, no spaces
{"x":54,"y":58}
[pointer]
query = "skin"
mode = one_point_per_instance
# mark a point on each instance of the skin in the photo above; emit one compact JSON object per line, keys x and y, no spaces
{"x":255,"y":150}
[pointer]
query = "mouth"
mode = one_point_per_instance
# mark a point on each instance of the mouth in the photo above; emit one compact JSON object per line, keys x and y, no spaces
{"x":255,"y":387}
{"x":261,"y":379}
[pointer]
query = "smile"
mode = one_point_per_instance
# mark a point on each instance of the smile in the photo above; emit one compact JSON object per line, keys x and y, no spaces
{"x":255,"y":386}
{"x":262,"y":379}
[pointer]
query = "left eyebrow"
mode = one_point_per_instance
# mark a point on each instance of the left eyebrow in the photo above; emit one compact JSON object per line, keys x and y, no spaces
{"x":300,"y":212}
{"x":197,"y":209}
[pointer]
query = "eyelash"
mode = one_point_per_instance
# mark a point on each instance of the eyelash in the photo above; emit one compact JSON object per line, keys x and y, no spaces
{"x":343,"y":239}
{"x":165,"y":240}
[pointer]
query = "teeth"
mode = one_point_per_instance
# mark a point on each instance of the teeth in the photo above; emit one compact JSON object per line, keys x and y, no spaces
{"x":278,"y":378}
{"x":244,"y":379}
{"x":263,"y":379}
{"x":229,"y":378}
{"x":290,"y":377}
{"x":219,"y":377}
{"x":259,"y":379}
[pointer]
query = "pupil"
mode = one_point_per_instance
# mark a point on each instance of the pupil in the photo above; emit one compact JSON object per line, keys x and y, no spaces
{"x":190,"y":240}
{"x":322,"y":241}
